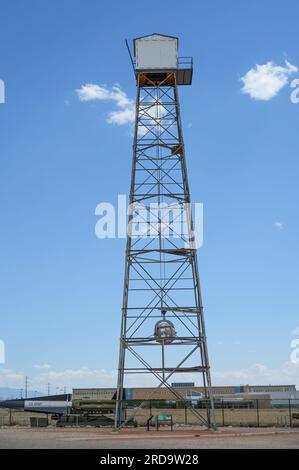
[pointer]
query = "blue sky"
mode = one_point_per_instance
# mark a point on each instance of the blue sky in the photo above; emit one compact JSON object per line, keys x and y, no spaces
{"x":61,"y":287}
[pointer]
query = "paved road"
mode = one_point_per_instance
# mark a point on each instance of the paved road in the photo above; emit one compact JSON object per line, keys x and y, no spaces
{"x":17,"y":438}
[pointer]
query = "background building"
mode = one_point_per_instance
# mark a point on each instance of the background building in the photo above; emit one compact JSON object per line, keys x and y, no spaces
{"x":189,"y":390}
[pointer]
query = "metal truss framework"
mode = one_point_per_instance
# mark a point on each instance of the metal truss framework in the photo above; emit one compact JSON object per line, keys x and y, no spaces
{"x":161,"y":271}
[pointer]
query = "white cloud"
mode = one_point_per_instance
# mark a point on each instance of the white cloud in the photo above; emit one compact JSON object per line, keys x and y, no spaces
{"x":93,"y":92}
{"x":263,"y":82}
{"x":87,"y":377}
{"x":10,"y":378}
{"x":42,"y":366}
{"x":152,"y":113}
{"x":81,"y":377}
{"x":259,"y":374}
{"x":279,"y":225}
{"x":121,"y":117}
{"x":125,"y":114}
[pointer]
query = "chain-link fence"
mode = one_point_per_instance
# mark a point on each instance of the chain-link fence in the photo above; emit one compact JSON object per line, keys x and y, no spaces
{"x":238,"y":412}
{"x":23,"y":418}
{"x":228,"y":412}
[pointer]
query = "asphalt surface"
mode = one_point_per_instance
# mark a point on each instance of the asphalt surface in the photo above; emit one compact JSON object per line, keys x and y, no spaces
{"x":228,"y":438}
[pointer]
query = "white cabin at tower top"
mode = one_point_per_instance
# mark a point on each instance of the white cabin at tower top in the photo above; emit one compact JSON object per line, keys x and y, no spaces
{"x":157,"y":61}
{"x":156,"y":52}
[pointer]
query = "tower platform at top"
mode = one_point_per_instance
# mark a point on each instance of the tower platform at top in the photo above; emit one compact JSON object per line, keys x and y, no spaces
{"x":157,"y":61}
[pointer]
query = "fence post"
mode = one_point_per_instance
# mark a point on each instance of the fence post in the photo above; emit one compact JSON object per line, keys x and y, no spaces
{"x":257,"y":413}
{"x":290,"y":414}
{"x":222,"y":407}
{"x":186,"y":414}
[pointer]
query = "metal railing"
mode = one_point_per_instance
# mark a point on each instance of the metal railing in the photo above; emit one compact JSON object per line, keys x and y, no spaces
{"x":185,"y":62}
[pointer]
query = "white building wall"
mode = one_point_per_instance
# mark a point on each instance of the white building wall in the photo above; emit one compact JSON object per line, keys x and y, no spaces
{"x":156,"y":53}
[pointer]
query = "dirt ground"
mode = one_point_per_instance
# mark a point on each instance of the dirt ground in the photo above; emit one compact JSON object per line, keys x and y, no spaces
{"x":188,"y":438}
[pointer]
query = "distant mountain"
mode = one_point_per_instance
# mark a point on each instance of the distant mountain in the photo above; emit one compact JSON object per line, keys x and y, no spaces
{"x":10,"y":393}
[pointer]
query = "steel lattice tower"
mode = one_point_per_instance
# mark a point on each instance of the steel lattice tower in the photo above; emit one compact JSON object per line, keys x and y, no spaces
{"x":162,"y":327}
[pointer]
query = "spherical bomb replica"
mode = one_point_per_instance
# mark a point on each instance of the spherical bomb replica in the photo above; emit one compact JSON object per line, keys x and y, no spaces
{"x":165,"y":332}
